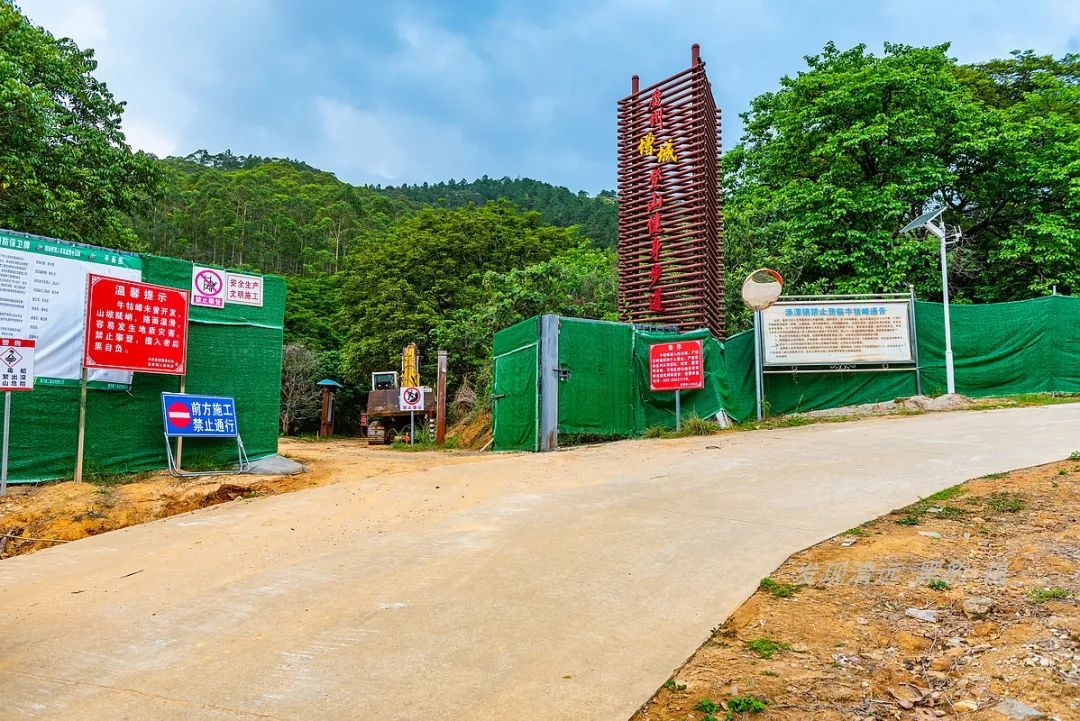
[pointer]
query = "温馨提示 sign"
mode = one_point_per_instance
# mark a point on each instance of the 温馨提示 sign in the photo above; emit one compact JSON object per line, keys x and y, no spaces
{"x":135,"y":326}
{"x":195,"y":416}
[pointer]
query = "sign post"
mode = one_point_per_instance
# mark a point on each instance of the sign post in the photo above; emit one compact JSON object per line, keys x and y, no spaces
{"x":759,"y":291}
{"x":676,"y":366}
{"x":131,"y":326}
{"x":16,"y":374}
{"x":411,"y":399}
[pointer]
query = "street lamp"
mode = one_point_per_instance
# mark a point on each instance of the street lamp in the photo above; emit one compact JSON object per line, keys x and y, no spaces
{"x":927,"y":220}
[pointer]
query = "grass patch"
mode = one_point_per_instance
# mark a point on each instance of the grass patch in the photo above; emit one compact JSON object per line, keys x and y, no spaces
{"x":672,"y":685}
{"x":945,"y":494}
{"x":99,"y":477}
{"x":1074,"y":456}
{"x":696,"y":426}
{"x":1054,"y":593}
{"x":744,"y":704}
{"x":692,"y":425}
{"x":1023,"y":400}
{"x":424,"y":441}
{"x":707,"y":705}
{"x":766,"y":647}
{"x":938,"y":585}
{"x":913,"y":514}
{"x":778,"y":590}
{"x":1005,"y":502}
{"x":656,"y":432}
{"x":993,"y":476}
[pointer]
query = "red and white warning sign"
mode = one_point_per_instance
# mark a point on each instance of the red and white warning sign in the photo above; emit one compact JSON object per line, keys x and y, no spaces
{"x":17,"y":364}
{"x":135,"y":326}
{"x":676,"y":366}
{"x":207,"y":287}
{"x":179,"y":414}
{"x":411,"y":399}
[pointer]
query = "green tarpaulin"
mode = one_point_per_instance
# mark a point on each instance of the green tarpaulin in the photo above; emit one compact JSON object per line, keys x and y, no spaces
{"x":234,"y":351}
{"x":999,"y":349}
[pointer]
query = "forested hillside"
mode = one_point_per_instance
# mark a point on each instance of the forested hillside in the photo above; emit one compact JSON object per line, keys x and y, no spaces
{"x":595,"y":216}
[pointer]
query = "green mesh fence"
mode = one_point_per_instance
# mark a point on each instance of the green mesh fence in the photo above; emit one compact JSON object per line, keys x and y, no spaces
{"x":234,"y":351}
{"x":999,"y":349}
{"x":597,"y":395}
{"x":515,"y":393}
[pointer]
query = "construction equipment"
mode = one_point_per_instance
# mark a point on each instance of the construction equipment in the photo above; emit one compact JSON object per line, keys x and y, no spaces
{"x":386,"y":420}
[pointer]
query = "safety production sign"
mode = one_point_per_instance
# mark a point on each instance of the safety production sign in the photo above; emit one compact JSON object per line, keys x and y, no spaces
{"x":245,"y":289}
{"x":207,"y":287}
{"x":411,"y":399}
{"x":676,"y":366}
{"x":192,"y":416}
{"x":135,"y":326}
{"x":17,"y":364}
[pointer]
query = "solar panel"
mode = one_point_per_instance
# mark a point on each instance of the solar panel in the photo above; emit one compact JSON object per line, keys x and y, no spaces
{"x":923,"y":219}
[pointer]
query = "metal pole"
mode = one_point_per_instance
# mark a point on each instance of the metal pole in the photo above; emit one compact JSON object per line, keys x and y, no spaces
{"x":950,"y":380}
{"x":759,"y":380}
{"x":82,"y":428}
{"x":180,"y":440}
{"x":678,"y":410}
{"x":412,"y":426}
{"x":440,"y":400}
{"x":7,"y":429}
{"x":915,"y":340}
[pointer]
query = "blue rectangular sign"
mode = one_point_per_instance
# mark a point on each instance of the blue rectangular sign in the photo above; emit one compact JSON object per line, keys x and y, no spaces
{"x":192,"y":416}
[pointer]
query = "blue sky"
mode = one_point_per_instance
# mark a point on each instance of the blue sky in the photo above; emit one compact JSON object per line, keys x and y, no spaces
{"x":413,"y":91}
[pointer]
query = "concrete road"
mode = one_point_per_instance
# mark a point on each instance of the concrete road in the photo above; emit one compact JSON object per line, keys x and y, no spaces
{"x":559,"y":586}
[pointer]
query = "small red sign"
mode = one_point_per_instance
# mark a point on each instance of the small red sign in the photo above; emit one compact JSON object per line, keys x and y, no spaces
{"x":676,"y":366}
{"x":132,"y":326}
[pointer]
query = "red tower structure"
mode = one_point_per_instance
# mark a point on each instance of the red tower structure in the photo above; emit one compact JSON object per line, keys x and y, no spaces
{"x":671,"y":264}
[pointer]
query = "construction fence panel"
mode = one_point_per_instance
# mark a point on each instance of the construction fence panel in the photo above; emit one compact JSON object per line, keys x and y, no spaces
{"x":999,"y":349}
{"x":515,"y":391}
{"x":658,"y":408}
{"x":597,"y":392}
{"x":234,"y":351}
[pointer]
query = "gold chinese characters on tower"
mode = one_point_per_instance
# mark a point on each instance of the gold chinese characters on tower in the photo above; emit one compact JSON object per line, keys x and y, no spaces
{"x":670,"y":217}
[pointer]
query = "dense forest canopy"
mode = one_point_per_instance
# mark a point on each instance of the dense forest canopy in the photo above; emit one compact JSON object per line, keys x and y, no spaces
{"x":837,"y":160}
{"x":831,"y":164}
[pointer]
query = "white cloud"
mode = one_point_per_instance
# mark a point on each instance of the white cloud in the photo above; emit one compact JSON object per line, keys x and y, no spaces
{"x":387,"y":146}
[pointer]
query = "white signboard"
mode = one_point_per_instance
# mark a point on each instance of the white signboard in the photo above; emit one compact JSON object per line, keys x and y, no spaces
{"x":837,"y":332}
{"x":244,"y":289}
{"x":43,"y":298}
{"x":207,"y":287}
{"x":411,"y":398}
{"x":16,"y":364}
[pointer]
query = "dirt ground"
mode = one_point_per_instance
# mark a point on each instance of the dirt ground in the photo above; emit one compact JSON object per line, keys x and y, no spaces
{"x":833,"y":633}
{"x":33,"y":517}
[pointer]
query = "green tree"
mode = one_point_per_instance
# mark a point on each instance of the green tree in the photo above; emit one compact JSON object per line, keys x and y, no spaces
{"x":579,"y":282}
{"x":65,"y":168}
{"x":833,"y":163}
{"x":398,"y":288}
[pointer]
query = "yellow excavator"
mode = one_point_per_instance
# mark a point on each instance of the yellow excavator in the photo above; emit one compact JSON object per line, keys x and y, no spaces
{"x":386,"y":420}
